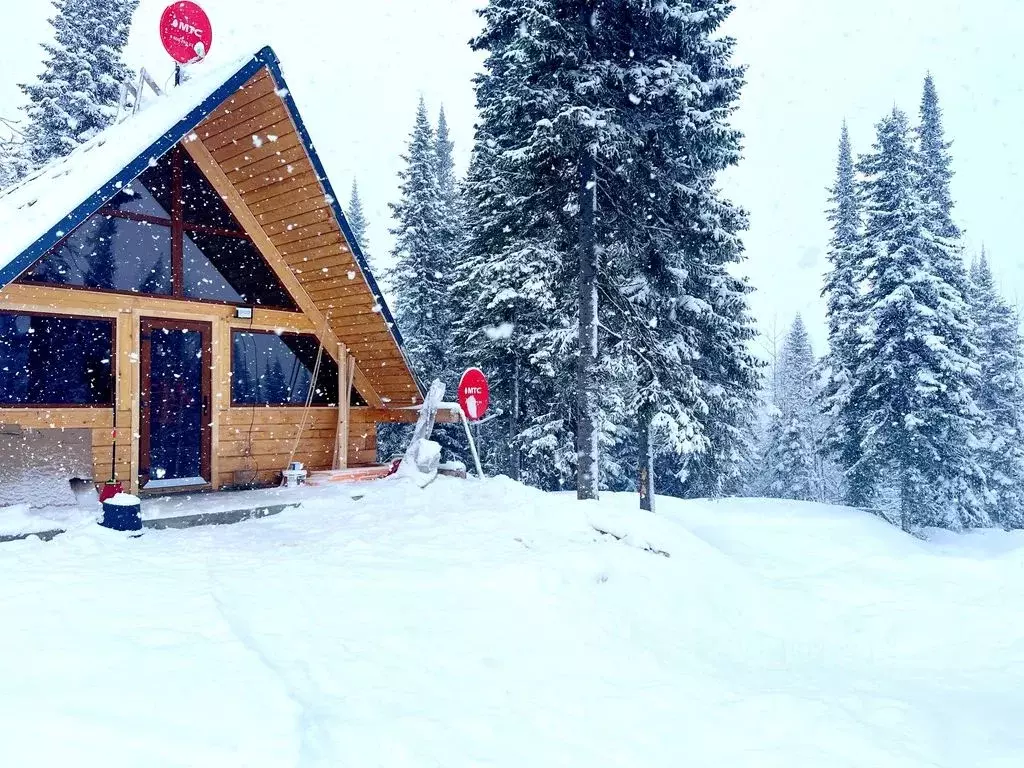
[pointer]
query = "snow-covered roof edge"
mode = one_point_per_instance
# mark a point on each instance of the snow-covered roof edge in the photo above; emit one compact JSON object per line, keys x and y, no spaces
{"x":265,"y":57}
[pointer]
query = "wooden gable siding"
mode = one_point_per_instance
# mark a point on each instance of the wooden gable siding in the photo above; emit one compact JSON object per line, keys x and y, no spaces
{"x":253,"y":140}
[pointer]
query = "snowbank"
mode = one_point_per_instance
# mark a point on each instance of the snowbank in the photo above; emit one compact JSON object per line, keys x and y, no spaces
{"x":485,"y":623}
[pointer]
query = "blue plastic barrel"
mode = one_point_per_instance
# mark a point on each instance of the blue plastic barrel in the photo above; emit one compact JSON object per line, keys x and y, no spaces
{"x":122,"y":512}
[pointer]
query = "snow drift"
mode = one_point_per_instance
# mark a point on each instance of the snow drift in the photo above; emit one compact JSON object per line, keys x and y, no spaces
{"x":490,"y":624}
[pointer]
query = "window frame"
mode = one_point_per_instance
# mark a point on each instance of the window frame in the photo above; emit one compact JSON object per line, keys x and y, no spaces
{"x":257,"y":331}
{"x":179,"y":228}
{"x":113,"y":362}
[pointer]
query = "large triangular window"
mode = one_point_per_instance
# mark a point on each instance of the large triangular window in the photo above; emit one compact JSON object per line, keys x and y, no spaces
{"x":168,"y":233}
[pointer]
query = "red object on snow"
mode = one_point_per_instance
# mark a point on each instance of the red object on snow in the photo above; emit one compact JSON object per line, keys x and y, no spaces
{"x":186,"y":32}
{"x":109,"y":490}
{"x":474,"y":394}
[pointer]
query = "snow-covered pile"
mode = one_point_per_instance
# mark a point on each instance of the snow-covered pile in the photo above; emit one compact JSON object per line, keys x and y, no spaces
{"x":489,"y":624}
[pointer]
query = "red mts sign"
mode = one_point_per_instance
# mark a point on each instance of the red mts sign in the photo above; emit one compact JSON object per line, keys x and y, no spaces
{"x":474,"y":394}
{"x":185,"y":32}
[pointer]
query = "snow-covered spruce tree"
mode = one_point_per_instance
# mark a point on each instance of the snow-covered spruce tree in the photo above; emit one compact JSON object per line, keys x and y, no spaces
{"x":450,"y":235}
{"x":788,"y":460}
{"x":1000,"y":396}
{"x":504,"y":289}
{"x":519,"y":267}
{"x":357,"y":220}
{"x":913,"y":385}
{"x":77,"y":94}
{"x":452,"y":219}
{"x":669,"y":89}
{"x":791,"y":467}
{"x":417,"y":279}
{"x":841,"y":438}
{"x":552,"y":99}
{"x":13,"y":163}
{"x":936,"y":162}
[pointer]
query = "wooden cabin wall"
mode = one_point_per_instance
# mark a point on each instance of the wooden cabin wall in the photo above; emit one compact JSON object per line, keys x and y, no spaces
{"x":274,"y":429}
{"x":255,"y":442}
{"x":362,"y":437}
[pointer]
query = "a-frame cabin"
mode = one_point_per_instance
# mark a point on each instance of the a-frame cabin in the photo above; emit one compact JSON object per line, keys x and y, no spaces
{"x":178,"y":278}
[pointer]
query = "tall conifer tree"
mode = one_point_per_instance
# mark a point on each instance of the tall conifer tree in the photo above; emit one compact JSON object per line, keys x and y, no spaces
{"x":668,"y":233}
{"x":579,"y":115}
{"x":913,"y":385}
{"x":357,"y":220}
{"x":842,"y":293}
{"x":791,"y":469}
{"x":418,"y":279}
{"x":1000,"y":396}
{"x":936,"y":161}
{"x":78,"y":92}
{"x":518,"y":271}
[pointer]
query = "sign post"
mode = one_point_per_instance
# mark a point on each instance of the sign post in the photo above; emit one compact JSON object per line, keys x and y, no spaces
{"x":474,"y":397}
{"x":186,"y":34}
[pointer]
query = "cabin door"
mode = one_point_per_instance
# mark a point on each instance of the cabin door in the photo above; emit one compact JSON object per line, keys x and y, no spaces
{"x":175,"y":386}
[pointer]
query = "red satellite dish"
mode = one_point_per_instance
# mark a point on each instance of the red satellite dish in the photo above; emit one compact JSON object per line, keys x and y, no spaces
{"x":186,"y":32}
{"x":474,"y":394}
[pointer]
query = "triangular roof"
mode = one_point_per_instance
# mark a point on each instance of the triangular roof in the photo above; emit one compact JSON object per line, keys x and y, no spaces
{"x":242,"y":126}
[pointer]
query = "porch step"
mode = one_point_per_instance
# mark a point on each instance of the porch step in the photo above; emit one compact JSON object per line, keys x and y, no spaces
{"x":351,"y":475}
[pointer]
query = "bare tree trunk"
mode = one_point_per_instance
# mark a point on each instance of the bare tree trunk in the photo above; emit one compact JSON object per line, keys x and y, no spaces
{"x":906,"y":500}
{"x":645,"y":477}
{"x":587,"y":479}
{"x":515,"y":459}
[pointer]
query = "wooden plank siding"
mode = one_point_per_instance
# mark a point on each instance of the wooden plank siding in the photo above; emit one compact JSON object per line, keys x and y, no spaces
{"x":256,"y":442}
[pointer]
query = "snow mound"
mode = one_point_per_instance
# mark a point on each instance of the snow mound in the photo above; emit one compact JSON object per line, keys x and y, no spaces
{"x":484,"y":623}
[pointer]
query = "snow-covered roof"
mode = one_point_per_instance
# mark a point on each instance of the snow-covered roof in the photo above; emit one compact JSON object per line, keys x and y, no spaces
{"x":49,"y":199}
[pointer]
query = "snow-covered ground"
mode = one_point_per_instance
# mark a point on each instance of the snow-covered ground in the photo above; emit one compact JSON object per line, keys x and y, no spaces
{"x":490,"y":625}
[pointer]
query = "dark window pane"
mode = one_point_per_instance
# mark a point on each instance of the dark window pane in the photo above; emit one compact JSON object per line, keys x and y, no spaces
{"x":175,"y":402}
{"x":153,"y":187}
{"x":112,"y":253}
{"x":135,"y":198}
{"x":55,"y":360}
{"x":200,"y":202}
{"x":272,"y":369}
{"x":231,"y":269}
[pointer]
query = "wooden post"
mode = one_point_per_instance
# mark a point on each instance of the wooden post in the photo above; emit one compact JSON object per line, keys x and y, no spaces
{"x":344,"y":398}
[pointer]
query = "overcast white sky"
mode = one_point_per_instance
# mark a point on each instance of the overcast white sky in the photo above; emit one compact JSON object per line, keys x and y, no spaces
{"x":357,"y":69}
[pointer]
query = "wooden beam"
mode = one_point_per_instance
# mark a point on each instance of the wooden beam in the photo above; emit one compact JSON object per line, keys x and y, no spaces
{"x":234,"y":201}
{"x":221,"y":182}
{"x":366,"y":415}
{"x":344,"y":399}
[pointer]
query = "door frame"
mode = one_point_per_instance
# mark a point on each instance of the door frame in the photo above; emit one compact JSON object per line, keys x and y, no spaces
{"x":205,"y":329}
